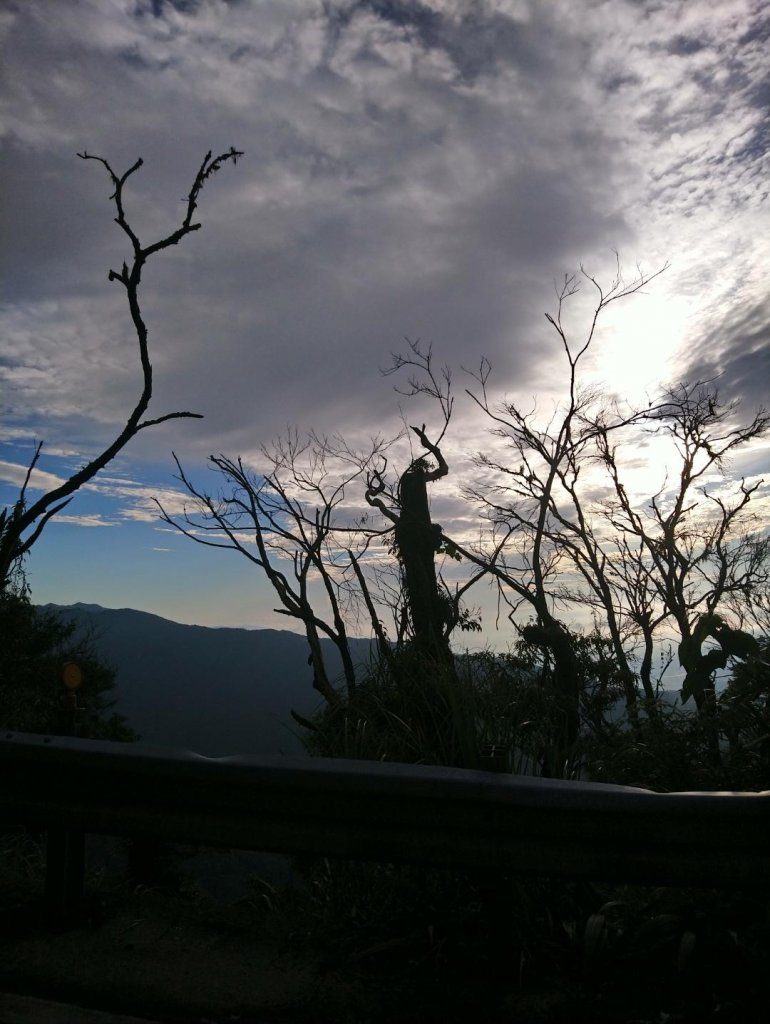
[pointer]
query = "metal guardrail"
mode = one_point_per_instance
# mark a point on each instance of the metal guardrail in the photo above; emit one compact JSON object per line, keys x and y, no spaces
{"x":377,"y":811}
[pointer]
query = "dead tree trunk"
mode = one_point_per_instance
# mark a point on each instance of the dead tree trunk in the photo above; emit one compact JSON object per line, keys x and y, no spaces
{"x":417,"y":542}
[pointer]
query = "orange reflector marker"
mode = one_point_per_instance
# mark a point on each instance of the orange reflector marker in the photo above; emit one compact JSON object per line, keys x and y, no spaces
{"x":71,"y":676}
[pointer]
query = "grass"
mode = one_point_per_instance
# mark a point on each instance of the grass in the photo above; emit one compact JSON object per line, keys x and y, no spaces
{"x":544,"y":950}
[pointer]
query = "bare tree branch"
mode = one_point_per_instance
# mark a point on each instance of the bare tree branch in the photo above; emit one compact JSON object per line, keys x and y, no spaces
{"x":21,"y":527}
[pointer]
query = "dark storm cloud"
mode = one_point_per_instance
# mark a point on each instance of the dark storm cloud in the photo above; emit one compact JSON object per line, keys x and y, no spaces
{"x":737,"y":354}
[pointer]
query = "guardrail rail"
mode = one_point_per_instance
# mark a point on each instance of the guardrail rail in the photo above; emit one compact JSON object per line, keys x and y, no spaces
{"x":375,"y":811}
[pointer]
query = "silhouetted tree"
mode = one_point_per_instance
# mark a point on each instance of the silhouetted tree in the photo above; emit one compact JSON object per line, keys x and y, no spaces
{"x":537,"y":514}
{"x":22,"y":523}
{"x":37,"y":644}
{"x":292,"y":521}
{"x":564,"y":533}
{"x":648,"y":570}
{"x":299,"y":521}
{"x":417,"y":540}
{"x":430,"y":608}
{"x":692,"y":541}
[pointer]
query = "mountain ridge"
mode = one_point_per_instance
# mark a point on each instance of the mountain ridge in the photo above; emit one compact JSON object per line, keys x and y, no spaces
{"x":215,"y":690}
{"x":96,"y":609}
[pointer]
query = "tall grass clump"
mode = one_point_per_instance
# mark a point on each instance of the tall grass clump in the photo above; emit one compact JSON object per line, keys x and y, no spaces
{"x":412,"y":709}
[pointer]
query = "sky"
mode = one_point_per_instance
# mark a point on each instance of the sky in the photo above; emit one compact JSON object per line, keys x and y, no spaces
{"x":423,"y":170}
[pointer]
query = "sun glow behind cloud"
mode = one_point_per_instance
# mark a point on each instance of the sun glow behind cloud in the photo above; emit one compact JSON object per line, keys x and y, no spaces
{"x":639,"y":344}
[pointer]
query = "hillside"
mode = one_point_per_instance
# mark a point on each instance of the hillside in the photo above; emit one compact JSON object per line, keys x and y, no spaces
{"x":215,"y":691}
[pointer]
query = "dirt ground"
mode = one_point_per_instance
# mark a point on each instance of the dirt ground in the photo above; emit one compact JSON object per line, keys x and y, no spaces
{"x":160,"y":957}
{"x":184,"y":946}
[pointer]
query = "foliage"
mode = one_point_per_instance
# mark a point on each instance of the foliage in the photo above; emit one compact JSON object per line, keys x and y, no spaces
{"x":743,"y":710}
{"x":414,"y":709}
{"x":665,"y":752}
{"x":408,"y":707}
{"x":37,"y":645}
{"x":534,"y":949}
{"x":472,"y":945}
{"x":673,"y":750}
{"x":707,"y":950}
{"x":435,"y":920}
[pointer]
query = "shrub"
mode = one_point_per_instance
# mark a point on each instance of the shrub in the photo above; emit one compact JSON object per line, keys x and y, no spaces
{"x":37,"y":644}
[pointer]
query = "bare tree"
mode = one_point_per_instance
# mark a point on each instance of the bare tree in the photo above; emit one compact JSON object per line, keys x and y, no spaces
{"x":567,"y":533}
{"x":533,"y":502}
{"x":694,"y":545}
{"x":22,"y":523}
{"x":432,"y":610}
{"x":299,"y":520}
{"x":294,"y":522}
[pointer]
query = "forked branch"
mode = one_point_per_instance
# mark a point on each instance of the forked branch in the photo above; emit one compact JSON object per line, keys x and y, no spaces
{"x":22,"y":524}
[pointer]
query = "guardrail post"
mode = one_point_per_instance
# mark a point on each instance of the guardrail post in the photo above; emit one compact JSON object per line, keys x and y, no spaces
{"x":494,"y":886}
{"x":64,"y":872}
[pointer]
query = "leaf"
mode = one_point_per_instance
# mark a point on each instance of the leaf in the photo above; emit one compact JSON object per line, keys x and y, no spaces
{"x":686,"y":947}
{"x":595,"y":935}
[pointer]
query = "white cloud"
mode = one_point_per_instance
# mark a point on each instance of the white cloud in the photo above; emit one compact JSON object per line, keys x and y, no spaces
{"x":84,"y":520}
{"x":137,"y":501}
{"x":15,"y":473}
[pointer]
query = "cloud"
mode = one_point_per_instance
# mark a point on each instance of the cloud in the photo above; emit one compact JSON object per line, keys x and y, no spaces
{"x":736,"y":354}
{"x":388,"y":172}
{"x":26,"y":438}
{"x":138,"y":502}
{"x":84,"y":520}
{"x":129,"y":499}
{"x":15,"y":473}
{"x":63,"y":360}
{"x":422,"y":169}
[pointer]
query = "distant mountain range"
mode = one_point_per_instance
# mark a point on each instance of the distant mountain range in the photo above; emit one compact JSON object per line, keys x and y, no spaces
{"x":213,"y":691}
{"x":216,"y":691}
